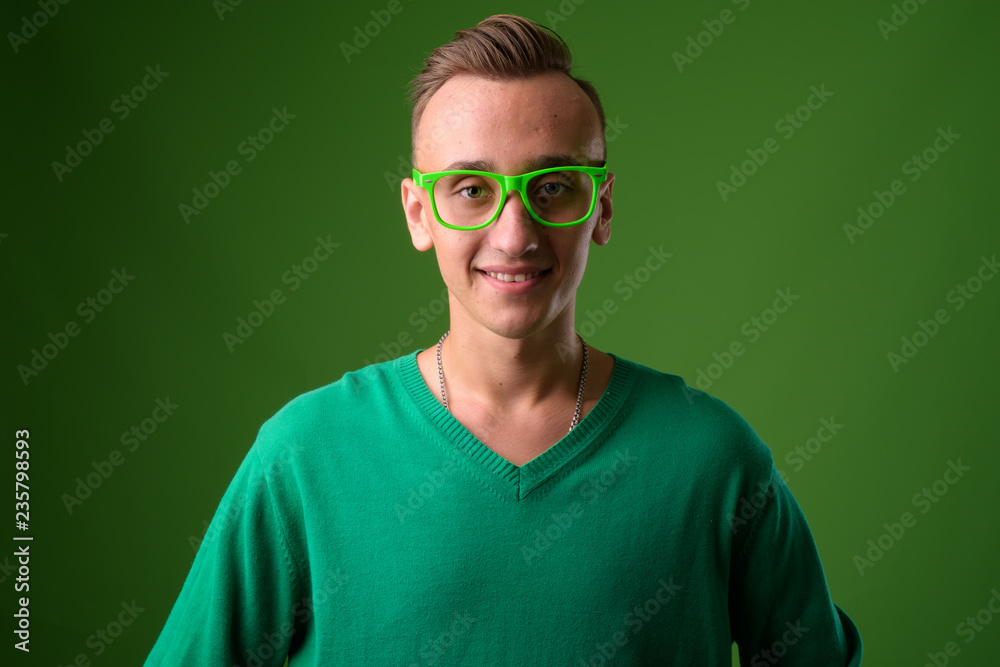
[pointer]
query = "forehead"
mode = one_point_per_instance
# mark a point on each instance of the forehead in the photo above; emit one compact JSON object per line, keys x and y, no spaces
{"x":508,"y":125}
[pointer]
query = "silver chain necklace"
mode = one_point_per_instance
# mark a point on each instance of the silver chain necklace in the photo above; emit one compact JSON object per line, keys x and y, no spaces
{"x":579,"y":394}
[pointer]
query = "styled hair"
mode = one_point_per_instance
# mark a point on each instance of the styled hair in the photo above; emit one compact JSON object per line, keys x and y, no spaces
{"x":502,"y":47}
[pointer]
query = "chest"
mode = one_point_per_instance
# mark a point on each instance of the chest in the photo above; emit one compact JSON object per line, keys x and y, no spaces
{"x":520,"y":438}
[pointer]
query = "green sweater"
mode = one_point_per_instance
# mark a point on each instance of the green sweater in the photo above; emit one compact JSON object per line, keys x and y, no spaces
{"x":367,"y":526}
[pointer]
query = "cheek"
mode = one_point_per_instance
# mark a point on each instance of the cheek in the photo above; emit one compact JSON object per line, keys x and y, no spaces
{"x":573,"y":254}
{"x":577,"y":268}
{"x":454,"y":253}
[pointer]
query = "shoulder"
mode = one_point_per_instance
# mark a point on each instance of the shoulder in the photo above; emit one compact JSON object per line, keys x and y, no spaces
{"x":316,"y":415}
{"x":702,"y":425}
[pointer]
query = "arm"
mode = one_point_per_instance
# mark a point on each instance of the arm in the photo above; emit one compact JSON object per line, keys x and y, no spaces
{"x":236,"y":605}
{"x":779,"y":603}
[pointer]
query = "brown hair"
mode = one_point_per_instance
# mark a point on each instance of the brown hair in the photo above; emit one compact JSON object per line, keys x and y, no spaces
{"x":501,"y":48}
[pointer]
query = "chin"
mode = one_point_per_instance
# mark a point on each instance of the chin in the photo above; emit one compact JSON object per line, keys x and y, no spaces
{"x":517,"y":327}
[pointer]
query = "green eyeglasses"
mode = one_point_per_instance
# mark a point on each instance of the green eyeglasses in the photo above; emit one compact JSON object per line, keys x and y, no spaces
{"x":557,"y":196}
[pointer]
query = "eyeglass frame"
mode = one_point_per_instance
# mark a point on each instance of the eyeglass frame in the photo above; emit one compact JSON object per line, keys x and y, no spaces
{"x":598,"y":175}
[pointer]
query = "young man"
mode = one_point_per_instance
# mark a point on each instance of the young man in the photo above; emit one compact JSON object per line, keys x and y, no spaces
{"x":510,"y":496}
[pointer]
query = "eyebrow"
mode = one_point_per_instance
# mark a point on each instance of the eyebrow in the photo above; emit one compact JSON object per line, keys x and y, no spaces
{"x":543,"y":162}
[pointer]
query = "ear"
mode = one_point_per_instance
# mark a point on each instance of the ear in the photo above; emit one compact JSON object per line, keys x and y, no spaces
{"x":602,"y":230}
{"x":417,"y":214}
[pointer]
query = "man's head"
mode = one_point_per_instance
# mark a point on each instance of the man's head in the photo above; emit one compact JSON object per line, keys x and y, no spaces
{"x":500,"y":95}
{"x":501,"y":47}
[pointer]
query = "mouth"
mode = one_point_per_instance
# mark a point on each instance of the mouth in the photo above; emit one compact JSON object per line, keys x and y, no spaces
{"x":513,"y":277}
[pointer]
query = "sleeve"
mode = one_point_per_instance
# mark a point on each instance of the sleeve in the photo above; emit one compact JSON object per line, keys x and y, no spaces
{"x":779,"y":603}
{"x":236,"y":606}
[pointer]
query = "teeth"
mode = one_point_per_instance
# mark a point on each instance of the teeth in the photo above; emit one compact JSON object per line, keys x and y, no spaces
{"x":511,"y":278}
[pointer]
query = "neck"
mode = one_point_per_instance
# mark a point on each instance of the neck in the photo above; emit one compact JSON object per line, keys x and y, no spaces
{"x":512,"y":373}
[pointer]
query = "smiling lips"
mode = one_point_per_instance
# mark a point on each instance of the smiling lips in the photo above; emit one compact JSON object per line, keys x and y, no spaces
{"x":512,"y":277}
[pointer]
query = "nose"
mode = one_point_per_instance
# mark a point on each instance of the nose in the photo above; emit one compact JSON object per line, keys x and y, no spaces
{"x":514,"y":231}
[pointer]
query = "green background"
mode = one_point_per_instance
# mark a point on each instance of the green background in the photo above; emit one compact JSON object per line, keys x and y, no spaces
{"x":331,"y":173}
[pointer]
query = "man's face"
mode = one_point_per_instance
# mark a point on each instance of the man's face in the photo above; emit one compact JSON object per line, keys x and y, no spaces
{"x":506,"y":125}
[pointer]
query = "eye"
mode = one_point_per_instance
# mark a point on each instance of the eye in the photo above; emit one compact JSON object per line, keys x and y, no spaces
{"x":474,"y":191}
{"x":552,"y":188}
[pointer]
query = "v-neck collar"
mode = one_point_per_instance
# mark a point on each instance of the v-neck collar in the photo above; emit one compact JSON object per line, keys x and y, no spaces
{"x":508,"y":479}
